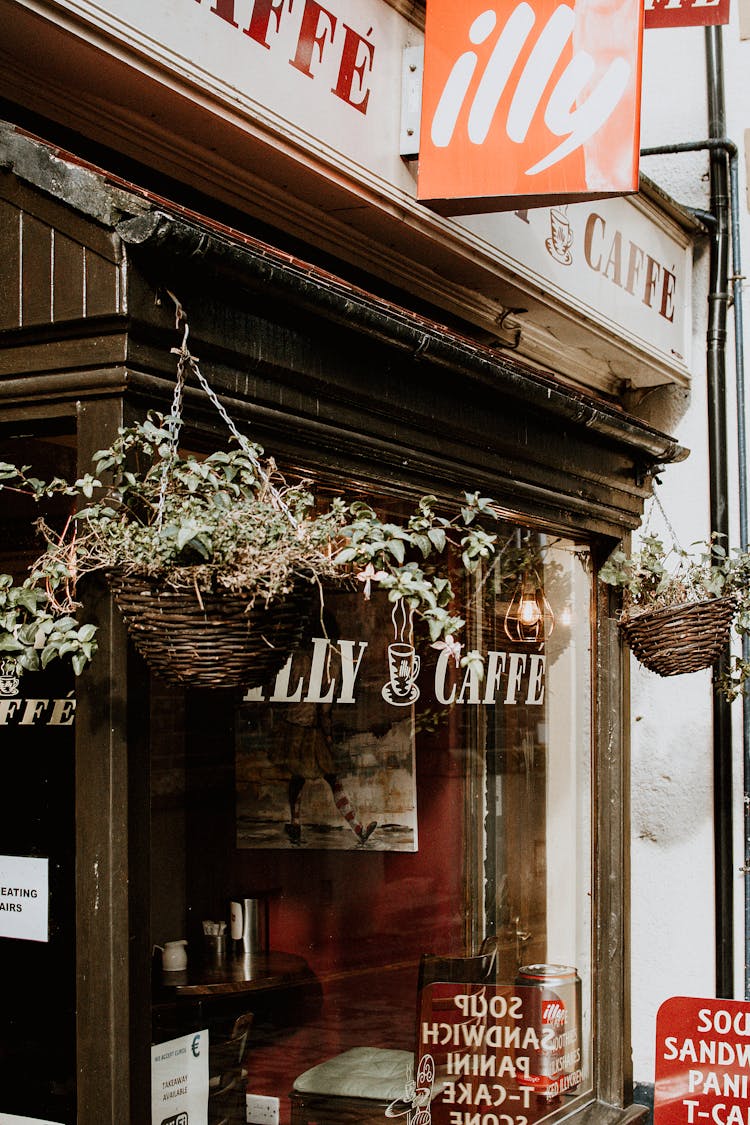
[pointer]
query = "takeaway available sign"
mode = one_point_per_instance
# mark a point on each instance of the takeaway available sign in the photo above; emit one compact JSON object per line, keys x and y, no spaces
{"x":179,"y":1080}
{"x":528,"y":103}
{"x":702,"y":1062}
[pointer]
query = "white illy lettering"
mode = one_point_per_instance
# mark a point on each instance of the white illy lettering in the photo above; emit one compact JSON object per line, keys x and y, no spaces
{"x":567,"y":113}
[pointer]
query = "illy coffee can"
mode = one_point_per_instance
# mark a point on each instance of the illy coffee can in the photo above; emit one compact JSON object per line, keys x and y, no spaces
{"x":551,"y":996}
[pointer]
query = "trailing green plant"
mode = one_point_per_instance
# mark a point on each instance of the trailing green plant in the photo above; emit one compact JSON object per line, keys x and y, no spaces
{"x":34,"y":631}
{"x":225,"y":522}
{"x":656,"y":576}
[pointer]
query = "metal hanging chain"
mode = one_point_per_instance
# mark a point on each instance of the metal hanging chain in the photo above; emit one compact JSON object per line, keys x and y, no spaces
{"x":174,"y":425}
{"x":186,"y":360}
{"x":657,"y":502}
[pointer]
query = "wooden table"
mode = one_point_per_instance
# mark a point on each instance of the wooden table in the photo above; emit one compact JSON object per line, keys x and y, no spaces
{"x":250,"y":972}
{"x":279,"y":987}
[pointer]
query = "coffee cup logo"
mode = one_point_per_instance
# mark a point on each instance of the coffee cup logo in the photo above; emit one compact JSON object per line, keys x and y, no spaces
{"x":561,"y":235}
{"x":403,"y":669}
{"x":403,"y":663}
{"x":8,"y":680}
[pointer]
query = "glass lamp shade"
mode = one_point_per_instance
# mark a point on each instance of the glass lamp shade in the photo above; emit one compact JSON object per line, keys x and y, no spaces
{"x":529,"y":617}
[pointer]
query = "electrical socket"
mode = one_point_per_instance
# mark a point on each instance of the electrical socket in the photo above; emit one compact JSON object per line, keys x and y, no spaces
{"x":261,"y":1110}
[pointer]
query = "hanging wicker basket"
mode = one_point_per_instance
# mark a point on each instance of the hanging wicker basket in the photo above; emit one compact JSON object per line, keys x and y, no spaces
{"x":682,"y":638}
{"x":211,"y":642}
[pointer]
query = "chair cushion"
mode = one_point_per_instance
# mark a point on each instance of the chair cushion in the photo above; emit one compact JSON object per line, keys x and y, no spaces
{"x":361,"y":1072}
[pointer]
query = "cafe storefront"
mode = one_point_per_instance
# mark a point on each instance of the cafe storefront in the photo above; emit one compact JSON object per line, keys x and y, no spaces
{"x":445,"y":815}
{"x":378,"y":884}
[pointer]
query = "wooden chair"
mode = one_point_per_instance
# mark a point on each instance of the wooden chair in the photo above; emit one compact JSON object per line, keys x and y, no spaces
{"x":361,"y":1085}
{"x":227,"y":1076}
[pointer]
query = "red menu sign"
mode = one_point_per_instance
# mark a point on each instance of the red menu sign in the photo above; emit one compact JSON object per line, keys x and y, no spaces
{"x":702,"y":1062}
{"x":685,"y":13}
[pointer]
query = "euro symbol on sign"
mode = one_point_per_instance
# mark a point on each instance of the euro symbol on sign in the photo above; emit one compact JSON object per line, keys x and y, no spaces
{"x":196,"y":1046}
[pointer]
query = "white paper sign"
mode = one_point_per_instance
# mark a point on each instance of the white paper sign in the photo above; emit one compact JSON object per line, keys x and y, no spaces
{"x":24,"y":897}
{"x":179,"y":1081}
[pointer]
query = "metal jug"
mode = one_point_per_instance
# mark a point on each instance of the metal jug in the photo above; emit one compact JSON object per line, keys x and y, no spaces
{"x":248,"y":924}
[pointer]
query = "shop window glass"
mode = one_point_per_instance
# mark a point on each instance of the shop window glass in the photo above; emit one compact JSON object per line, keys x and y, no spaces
{"x":388,"y":804}
{"x":37,"y":836}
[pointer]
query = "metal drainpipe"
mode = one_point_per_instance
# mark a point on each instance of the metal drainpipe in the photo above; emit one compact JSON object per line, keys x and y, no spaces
{"x":723,"y":151}
{"x":718,"y":480}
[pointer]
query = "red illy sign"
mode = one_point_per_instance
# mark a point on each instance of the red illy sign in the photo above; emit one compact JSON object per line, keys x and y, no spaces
{"x":529,"y":102}
{"x":702,"y":1062}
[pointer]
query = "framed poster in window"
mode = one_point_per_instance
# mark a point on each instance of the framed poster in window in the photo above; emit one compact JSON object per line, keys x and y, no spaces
{"x":325,"y":755}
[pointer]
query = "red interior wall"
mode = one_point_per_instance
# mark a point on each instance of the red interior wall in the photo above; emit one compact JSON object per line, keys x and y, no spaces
{"x":361,"y":919}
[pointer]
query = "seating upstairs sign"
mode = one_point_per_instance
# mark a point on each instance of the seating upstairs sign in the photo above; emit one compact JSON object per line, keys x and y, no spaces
{"x":24,"y":897}
{"x":702,"y":1062}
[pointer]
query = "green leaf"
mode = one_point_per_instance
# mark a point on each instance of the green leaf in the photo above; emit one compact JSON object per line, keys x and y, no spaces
{"x":184,"y":536}
{"x":438,"y":538}
{"x":201,"y":544}
{"x":65,"y":624}
{"x":424,"y":544}
{"x":396,"y":547}
{"x":28,"y":660}
{"x":435,"y":628}
{"x":28,"y":598}
{"x":474,"y":661}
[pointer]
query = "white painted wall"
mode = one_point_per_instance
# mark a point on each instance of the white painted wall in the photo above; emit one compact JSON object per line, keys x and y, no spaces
{"x":672,"y":834}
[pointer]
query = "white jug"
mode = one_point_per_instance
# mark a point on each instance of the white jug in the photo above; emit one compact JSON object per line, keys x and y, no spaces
{"x":173,"y":955}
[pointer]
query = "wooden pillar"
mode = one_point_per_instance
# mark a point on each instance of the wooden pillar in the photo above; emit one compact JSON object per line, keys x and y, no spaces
{"x":612,"y":1062}
{"x":112,"y":949}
